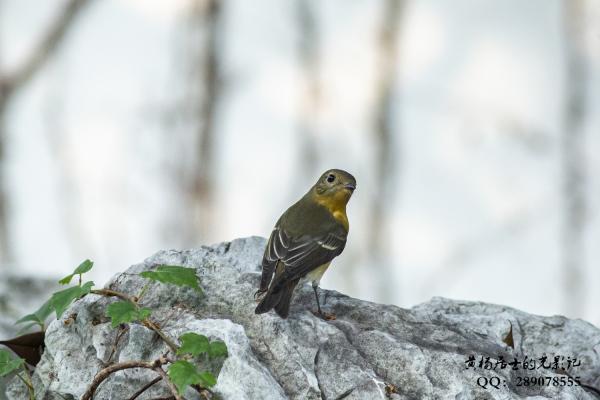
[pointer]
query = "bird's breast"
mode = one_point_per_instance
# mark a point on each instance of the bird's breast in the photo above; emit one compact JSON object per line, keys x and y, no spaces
{"x":342,"y":218}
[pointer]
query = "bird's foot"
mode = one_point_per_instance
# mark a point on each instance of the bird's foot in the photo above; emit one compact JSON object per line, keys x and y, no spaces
{"x":259,"y":295}
{"x":325,"y":315}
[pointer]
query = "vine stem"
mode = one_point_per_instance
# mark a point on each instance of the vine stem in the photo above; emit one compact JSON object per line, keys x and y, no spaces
{"x":27,"y":382}
{"x":114,"y":347}
{"x":170,"y":384}
{"x":151,"y":325}
{"x":30,"y":385}
{"x":112,"y":293}
{"x":155,"y":365}
{"x":140,"y":364}
{"x":143,"y":291}
{"x":146,"y":387}
{"x":147,"y":322}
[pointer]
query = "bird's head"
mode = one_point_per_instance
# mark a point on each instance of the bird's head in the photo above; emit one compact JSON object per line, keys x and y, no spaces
{"x":335,"y":187}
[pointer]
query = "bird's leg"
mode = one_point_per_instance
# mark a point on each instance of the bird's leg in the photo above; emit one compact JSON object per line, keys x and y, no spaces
{"x":325,"y":316}
{"x":317,"y":298}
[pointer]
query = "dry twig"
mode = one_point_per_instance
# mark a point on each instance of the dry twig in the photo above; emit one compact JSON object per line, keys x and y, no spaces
{"x":146,"y":387}
{"x":155,"y":365}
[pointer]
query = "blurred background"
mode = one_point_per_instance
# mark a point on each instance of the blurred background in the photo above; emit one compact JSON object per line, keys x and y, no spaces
{"x":131,"y":126}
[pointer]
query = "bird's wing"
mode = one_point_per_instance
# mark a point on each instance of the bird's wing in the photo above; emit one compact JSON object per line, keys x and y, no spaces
{"x":270,"y":260}
{"x":300,"y":255}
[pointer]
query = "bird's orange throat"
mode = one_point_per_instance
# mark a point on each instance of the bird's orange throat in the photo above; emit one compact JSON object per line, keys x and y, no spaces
{"x":336,"y":204}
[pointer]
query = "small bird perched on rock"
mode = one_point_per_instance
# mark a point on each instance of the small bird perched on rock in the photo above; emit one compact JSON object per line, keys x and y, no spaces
{"x":308,"y":235}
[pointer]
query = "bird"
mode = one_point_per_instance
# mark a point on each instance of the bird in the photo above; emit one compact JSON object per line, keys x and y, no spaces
{"x":304,"y":241}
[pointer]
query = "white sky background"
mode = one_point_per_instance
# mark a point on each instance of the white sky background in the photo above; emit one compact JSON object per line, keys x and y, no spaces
{"x":480,"y":89}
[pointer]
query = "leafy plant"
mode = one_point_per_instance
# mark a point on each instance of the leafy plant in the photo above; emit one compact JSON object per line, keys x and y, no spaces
{"x":181,"y":372}
{"x":179,"y":276}
{"x":80,"y":270}
{"x":217,"y":349}
{"x":63,"y":299}
{"x":38,"y":317}
{"x":9,"y":364}
{"x":123,"y":312}
{"x":194,"y":344}
{"x":60,"y":300}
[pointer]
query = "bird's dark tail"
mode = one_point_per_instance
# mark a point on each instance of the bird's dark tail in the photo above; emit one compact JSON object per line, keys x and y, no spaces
{"x":279,"y":298}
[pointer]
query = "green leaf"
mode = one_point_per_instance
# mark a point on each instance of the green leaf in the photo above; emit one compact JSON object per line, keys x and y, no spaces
{"x":180,"y":276}
{"x":84,"y":267}
{"x":194,"y":344}
{"x":39,"y":317}
{"x":217,"y":349}
{"x":27,"y":327}
{"x":81,"y":269}
{"x":207,"y":379}
{"x":123,"y":312}
{"x":183,"y":374}
{"x":61,"y":300}
{"x":8,"y":363}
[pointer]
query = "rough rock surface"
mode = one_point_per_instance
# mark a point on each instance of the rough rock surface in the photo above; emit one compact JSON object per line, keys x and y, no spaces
{"x":369,"y":352}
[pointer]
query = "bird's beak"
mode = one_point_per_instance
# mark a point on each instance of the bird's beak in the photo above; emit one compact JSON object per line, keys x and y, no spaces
{"x":350,"y":186}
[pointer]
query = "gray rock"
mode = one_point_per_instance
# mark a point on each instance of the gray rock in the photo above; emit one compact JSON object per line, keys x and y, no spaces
{"x":371,"y":351}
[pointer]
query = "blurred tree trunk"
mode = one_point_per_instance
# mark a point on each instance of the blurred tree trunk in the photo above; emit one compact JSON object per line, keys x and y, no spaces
{"x":5,"y":253}
{"x":385,"y":129}
{"x":11,"y":85}
{"x":57,"y":137}
{"x":573,"y":158}
{"x":310,"y":95}
{"x":206,"y":90}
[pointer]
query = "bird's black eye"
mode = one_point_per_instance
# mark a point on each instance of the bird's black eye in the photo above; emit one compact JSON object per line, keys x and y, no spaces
{"x":330,"y":178}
